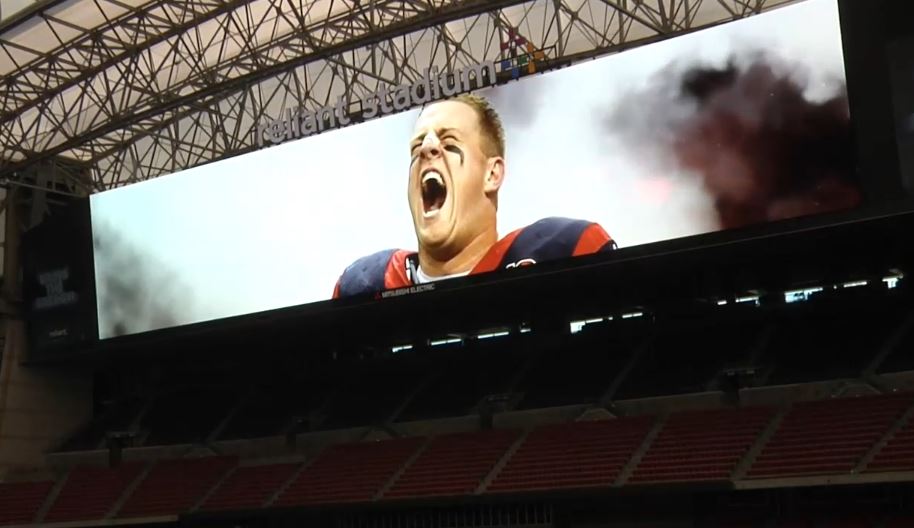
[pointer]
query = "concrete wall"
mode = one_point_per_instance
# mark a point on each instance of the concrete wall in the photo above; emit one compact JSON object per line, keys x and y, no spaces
{"x":39,"y":409}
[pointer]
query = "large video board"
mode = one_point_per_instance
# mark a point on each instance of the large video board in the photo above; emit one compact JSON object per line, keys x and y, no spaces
{"x":740,"y":124}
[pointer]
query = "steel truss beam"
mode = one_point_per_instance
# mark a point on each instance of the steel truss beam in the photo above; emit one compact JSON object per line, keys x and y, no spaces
{"x":79,"y":60}
{"x":192,"y":95}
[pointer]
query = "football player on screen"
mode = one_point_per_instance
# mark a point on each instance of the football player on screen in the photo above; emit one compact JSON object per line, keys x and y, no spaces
{"x":457,"y":168}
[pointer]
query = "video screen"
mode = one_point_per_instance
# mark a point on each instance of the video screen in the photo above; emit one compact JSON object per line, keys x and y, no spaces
{"x":741,"y":124}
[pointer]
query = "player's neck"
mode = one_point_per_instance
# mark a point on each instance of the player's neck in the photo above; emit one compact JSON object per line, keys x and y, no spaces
{"x":464,"y":261}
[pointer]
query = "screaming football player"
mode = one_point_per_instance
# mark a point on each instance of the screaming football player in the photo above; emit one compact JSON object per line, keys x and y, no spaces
{"x":456,"y":170}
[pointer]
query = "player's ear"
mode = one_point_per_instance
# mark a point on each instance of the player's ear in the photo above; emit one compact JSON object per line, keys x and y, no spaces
{"x":495,"y":174}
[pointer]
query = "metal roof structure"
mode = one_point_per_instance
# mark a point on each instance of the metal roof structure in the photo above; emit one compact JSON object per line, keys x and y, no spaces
{"x":120,"y":91}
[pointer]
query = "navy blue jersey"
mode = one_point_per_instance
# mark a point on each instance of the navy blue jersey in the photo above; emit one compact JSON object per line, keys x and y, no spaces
{"x":548,"y":239}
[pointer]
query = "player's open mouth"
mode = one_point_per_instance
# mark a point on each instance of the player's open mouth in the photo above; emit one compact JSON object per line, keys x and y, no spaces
{"x":434,"y":192}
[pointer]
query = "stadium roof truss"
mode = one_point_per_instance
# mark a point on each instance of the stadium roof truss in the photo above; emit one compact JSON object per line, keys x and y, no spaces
{"x":129,"y":90}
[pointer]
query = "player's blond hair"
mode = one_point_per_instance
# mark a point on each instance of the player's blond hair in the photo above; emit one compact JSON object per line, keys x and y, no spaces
{"x":489,"y":122}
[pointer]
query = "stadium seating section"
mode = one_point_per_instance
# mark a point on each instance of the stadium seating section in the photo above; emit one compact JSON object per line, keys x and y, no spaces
{"x":584,"y":454}
{"x":249,"y":487}
{"x":175,"y":486}
{"x":453,"y":464}
{"x":19,"y":502}
{"x":619,"y":366}
{"x":821,"y":437}
{"x":609,"y":361}
{"x":898,"y":452}
{"x":701,"y":445}
{"x":349,"y":472}
{"x":90,"y":493}
{"x":831,"y":437}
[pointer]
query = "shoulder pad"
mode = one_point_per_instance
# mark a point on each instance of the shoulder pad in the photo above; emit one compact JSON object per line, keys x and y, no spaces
{"x":366,"y":275}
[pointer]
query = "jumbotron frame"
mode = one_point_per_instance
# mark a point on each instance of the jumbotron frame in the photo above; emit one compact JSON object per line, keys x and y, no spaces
{"x":128,"y":90}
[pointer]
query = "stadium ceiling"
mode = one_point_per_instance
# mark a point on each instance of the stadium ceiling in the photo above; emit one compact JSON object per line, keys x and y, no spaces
{"x":129,"y":90}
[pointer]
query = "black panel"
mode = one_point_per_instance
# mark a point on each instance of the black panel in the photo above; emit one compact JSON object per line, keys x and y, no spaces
{"x":879,"y":57}
{"x":898,"y":33}
{"x":58,"y":284}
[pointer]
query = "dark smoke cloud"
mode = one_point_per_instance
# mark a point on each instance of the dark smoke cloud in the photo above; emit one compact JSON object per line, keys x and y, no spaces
{"x":135,"y":293}
{"x":763,"y":150}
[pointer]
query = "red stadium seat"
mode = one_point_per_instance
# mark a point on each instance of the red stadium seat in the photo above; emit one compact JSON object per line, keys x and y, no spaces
{"x":249,"y":487}
{"x":174,"y":486}
{"x":898,"y":453}
{"x":828,"y":437}
{"x":704,"y":445}
{"x":90,"y":493}
{"x":453,"y":464}
{"x":349,"y":472}
{"x":20,"y":501}
{"x":578,"y":455}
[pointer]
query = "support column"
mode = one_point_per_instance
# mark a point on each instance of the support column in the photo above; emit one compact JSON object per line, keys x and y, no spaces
{"x":39,"y":407}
